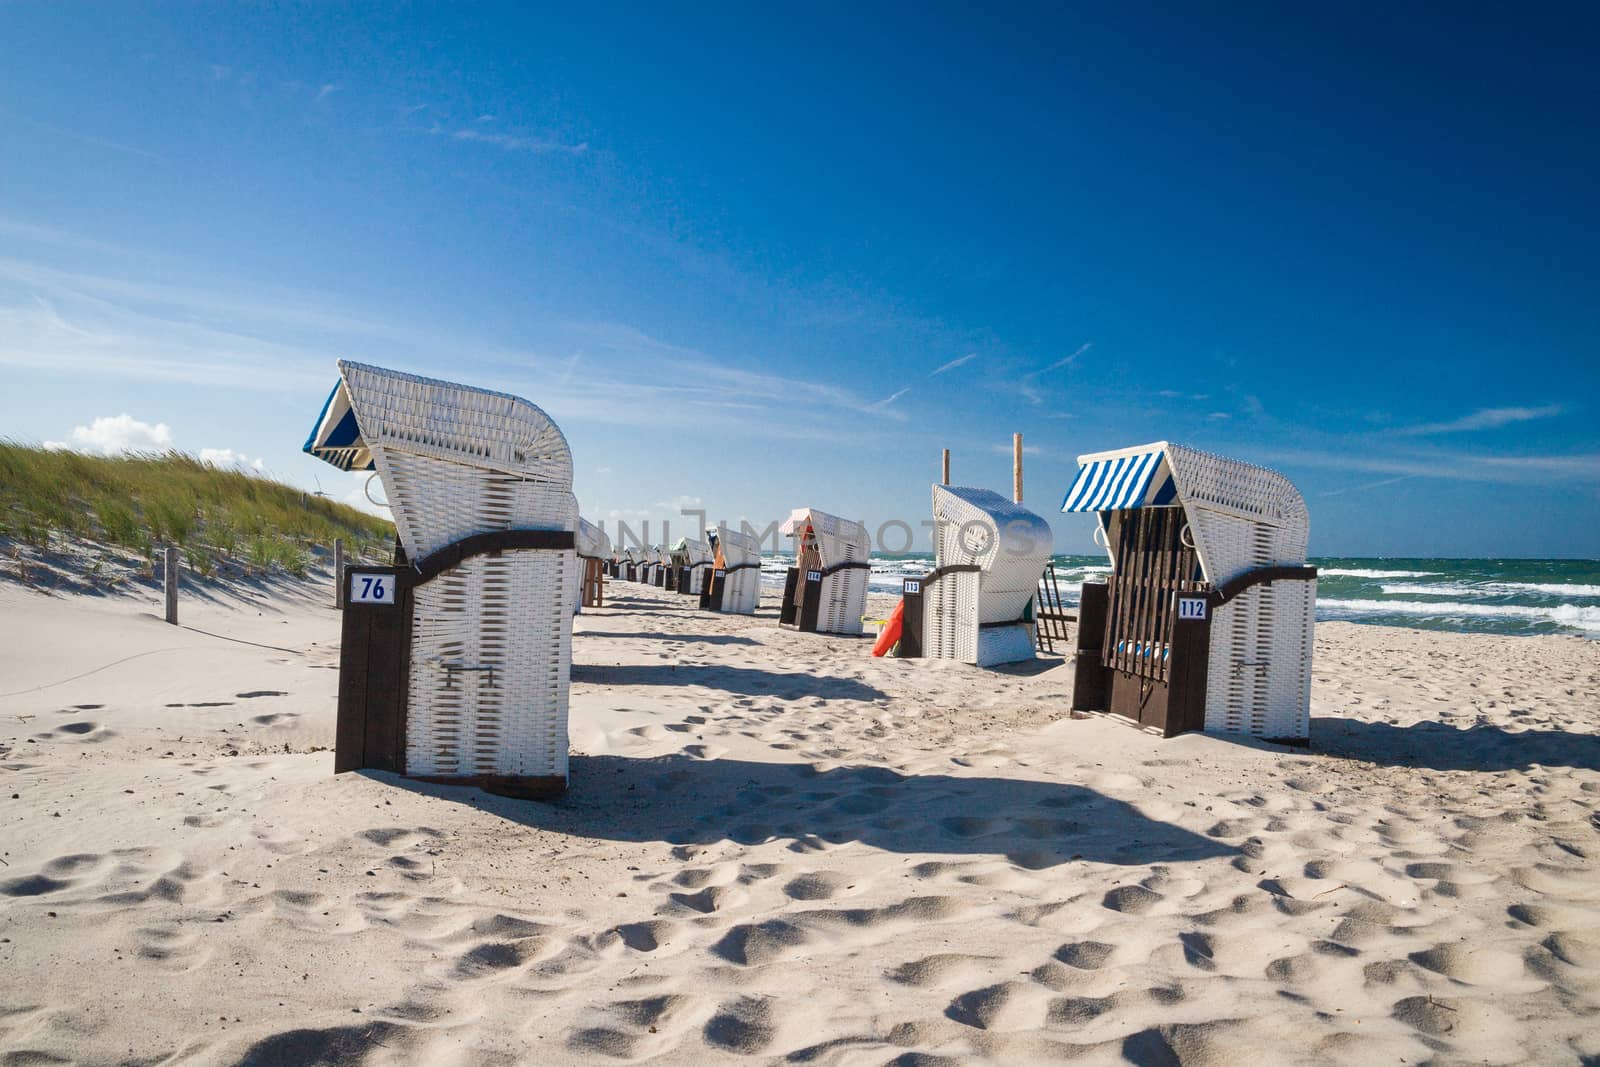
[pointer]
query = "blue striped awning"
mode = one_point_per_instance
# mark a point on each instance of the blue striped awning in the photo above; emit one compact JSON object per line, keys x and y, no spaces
{"x":1118,"y":482}
{"x":336,"y":437}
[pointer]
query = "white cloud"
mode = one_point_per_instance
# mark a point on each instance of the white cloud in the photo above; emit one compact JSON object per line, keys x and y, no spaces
{"x":681,"y":503}
{"x":112,"y":435}
{"x":1484,"y":419}
{"x":514,"y":143}
{"x":228,"y":459}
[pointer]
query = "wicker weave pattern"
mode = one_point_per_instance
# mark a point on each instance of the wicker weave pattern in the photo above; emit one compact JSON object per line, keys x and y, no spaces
{"x":742,"y":589}
{"x":696,"y":555}
{"x":1243,"y":517}
{"x":508,"y":613}
{"x":844,"y":592}
{"x":491,"y":648}
{"x":950,"y":617}
{"x":1010,"y":545}
{"x":592,"y":544}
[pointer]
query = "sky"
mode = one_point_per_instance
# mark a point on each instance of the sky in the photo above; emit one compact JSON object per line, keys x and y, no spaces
{"x":753,"y":260}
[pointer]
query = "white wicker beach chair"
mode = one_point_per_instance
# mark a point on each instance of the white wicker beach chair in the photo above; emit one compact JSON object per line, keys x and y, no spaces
{"x":594,"y":549}
{"x":1240,"y":532}
{"x":835,"y":551}
{"x":695,"y":557}
{"x":741,"y":556}
{"x":988,"y":556}
{"x":491,"y":637}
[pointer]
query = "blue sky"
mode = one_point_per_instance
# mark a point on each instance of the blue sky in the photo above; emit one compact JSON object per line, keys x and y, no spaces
{"x":759,"y":260}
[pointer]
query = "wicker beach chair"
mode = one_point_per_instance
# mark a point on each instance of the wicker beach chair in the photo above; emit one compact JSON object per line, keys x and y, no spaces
{"x":480,"y":487}
{"x":693,"y":560}
{"x":594,"y":550}
{"x":741,"y":567}
{"x":826,"y":590}
{"x":1206,"y":621}
{"x":988,"y":556}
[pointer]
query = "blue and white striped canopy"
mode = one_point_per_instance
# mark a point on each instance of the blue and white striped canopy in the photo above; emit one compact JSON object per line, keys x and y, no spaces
{"x":336,"y":437}
{"x":1115,"y":481}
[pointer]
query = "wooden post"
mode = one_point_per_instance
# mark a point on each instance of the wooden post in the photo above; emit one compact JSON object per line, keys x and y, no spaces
{"x":1016,"y":467}
{"x":946,"y":467}
{"x":338,"y":572}
{"x":171,"y":577}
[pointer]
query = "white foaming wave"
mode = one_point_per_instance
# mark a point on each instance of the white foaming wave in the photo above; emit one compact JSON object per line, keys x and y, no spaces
{"x":1577,"y":616}
{"x":1489,"y":589}
{"x":1546,"y":588}
{"x":1439,"y":589}
{"x":1356,"y":572}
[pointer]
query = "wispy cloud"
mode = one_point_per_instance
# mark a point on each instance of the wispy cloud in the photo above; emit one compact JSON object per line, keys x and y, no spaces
{"x":1370,"y":485}
{"x":890,"y":399}
{"x":1483,"y":419}
{"x":954,"y":363}
{"x":1028,"y":384}
{"x":1460,"y":466}
{"x":326,"y":91}
{"x":81,"y":137}
{"x":513,"y":142}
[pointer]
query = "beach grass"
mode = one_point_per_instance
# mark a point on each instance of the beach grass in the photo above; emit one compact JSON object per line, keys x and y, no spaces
{"x":140,"y":503}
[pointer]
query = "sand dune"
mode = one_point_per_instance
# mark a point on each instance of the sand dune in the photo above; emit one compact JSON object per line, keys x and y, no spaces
{"x":778,"y":849}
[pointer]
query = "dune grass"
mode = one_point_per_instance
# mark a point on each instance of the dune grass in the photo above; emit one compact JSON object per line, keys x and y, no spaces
{"x":141,"y":503}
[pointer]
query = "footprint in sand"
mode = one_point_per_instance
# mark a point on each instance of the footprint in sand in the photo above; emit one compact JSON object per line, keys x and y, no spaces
{"x":170,"y":947}
{"x":648,"y":936}
{"x":943,"y":969}
{"x":631,"y":1029}
{"x":1085,"y":955}
{"x":1005,"y":1006}
{"x":747,"y":1025}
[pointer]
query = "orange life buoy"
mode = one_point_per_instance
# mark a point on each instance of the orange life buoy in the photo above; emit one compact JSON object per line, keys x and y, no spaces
{"x":891,"y":631}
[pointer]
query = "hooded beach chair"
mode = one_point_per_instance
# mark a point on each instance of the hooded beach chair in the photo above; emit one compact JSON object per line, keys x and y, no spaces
{"x":594,"y":550}
{"x":693,"y":560}
{"x":455,"y":662}
{"x":735,"y":582}
{"x":975,"y":605}
{"x":1206,"y":619}
{"x":826,"y":590}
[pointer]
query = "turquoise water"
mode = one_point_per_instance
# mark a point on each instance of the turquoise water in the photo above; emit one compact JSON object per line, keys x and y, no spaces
{"x":1498,"y":596}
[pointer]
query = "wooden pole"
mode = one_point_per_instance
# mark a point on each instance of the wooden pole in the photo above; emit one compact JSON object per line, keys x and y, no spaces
{"x":171,"y":577}
{"x":1016,"y":467}
{"x":946,"y":475}
{"x":338,"y":572}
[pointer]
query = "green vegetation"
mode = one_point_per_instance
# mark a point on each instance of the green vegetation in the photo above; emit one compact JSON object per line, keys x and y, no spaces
{"x":139,"y":503}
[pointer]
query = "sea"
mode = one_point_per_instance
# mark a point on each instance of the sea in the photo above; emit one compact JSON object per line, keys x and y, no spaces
{"x":1494,"y":596}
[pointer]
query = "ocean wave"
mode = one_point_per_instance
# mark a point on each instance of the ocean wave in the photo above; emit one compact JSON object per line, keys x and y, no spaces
{"x":1544,"y":588}
{"x":1356,"y":572}
{"x":1577,"y":616}
{"x":1438,"y":589}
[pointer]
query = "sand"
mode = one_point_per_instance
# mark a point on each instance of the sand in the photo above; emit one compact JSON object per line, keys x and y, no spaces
{"x":778,"y":849}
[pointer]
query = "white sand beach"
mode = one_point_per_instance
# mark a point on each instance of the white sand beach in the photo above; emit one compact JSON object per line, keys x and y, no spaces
{"x":775,"y":848}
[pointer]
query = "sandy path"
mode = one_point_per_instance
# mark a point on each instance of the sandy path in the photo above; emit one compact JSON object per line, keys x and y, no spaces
{"x":777,"y":848}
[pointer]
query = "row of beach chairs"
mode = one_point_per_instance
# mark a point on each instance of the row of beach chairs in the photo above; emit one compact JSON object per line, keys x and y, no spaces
{"x":456,"y":667}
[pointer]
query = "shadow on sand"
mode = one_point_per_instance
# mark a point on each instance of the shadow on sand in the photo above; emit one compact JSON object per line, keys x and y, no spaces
{"x":681,"y":800}
{"x":1440,"y":747}
{"x":747,"y":681}
{"x":701,"y":639}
